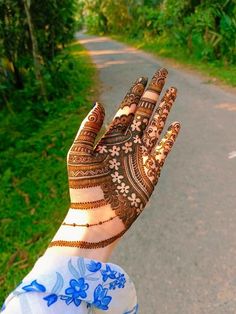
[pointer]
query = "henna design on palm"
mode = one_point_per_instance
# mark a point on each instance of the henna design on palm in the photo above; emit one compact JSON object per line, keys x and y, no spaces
{"x":126,"y":163}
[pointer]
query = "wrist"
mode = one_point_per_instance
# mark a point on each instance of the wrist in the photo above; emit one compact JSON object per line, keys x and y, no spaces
{"x":99,"y":254}
{"x":87,"y":233}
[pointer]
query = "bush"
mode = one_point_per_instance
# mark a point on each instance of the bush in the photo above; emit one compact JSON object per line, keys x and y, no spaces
{"x":33,"y":187}
{"x":206,"y":29}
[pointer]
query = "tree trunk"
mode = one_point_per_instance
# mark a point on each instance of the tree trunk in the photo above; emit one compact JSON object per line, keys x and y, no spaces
{"x":35,"y":52}
{"x":18,"y":79}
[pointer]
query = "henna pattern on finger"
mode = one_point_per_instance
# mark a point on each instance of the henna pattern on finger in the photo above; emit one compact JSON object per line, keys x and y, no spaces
{"x":155,"y":161}
{"x":119,"y":124}
{"x":135,"y":92}
{"x":168,"y":140}
{"x":147,"y":102}
{"x":84,"y":142}
{"x":124,"y":164}
{"x":155,"y":127}
{"x":158,"y":81}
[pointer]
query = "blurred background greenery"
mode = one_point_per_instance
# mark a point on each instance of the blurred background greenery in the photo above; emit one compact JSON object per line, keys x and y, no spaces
{"x":196,"y":32}
{"x":46,"y":84}
{"x":45,"y":91}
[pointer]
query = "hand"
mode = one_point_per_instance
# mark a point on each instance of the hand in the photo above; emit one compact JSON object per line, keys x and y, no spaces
{"x":111,"y":182}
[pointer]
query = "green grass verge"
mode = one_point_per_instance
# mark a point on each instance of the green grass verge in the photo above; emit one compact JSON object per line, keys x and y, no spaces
{"x":216,"y":70}
{"x":33,"y":188}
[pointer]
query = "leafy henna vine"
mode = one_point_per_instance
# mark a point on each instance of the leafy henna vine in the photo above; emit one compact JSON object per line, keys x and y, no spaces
{"x":127,"y":161}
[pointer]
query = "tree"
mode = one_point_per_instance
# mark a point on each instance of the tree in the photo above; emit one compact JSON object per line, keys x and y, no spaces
{"x":35,"y":51}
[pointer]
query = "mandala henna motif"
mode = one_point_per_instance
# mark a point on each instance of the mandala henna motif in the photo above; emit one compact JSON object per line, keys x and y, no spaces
{"x":126,"y":162}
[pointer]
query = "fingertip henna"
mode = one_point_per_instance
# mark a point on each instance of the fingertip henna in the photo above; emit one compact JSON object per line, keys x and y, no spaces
{"x":135,"y":92}
{"x":158,"y":80}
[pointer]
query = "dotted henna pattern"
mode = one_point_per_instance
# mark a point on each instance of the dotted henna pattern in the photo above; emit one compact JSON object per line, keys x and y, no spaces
{"x":127,"y":161}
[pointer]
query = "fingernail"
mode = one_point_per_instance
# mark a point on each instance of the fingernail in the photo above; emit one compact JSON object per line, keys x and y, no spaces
{"x":142,"y":80}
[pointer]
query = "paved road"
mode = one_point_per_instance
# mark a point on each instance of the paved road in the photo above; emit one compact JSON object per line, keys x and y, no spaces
{"x":181,"y":253}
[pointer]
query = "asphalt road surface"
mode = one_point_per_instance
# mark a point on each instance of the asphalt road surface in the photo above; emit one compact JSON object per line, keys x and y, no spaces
{"x":181,"y":253}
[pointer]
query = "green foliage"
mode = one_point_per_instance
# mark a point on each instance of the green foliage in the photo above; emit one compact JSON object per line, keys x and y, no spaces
{"x":43,"y":92}
{"x":32,"y":33}
{"x":108,"y":16}
{"x":54,"y":22}
{"x":33,"y":187}
{"x":204,"y":29}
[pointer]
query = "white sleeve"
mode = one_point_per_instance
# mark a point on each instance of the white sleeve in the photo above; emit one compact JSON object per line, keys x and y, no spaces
{"x":75,"y":285}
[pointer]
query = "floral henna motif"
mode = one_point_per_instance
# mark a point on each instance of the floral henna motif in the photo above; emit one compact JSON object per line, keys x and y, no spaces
{"x":126,"y":163}
{"x":155,"y":162}
{"x":155,"y":127}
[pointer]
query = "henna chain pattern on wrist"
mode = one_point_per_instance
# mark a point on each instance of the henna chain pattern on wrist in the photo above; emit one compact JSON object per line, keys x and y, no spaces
{"x":88,"y":225}
{"x":87,"y":245}
{"x":88,"y":205}
{"x":127,"y":161}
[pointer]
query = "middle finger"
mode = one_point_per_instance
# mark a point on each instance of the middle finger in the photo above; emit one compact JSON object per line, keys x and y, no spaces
{"x":148,"y":102}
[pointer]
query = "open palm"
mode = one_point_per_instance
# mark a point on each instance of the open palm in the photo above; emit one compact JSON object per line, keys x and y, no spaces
{"x":125,"y":164}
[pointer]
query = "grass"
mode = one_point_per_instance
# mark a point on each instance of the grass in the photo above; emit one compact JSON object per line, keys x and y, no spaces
{"x":33,"y":188}
{"x":216,"y":70}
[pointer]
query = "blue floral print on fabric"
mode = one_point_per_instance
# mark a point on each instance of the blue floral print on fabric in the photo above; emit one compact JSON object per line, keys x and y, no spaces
{"x":108,"y":273}
{"x":101,"y":299}
{"x":83,"y":277}
{"x":119,"y":282}
{"x":34,"y":286}
{"x":51,"y":298}
{"x":93,"y":266}
{"x":75,"y":291}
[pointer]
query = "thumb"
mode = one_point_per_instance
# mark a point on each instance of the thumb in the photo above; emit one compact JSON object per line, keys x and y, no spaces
{"x":91,"y":125}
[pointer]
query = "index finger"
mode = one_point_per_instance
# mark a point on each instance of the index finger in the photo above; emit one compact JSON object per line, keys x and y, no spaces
{"x":148,"y":101}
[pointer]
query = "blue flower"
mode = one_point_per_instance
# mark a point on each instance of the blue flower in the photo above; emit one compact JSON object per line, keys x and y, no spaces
{"x":75,"y":291}
{"x":112,"y":285}
{"x":101,"y":299}
{"x":51,"y":298}
{"x":119,"y":282}
{"x":93,"y":266}
{"x":34,"y":286}
{"x":108,"y":273}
